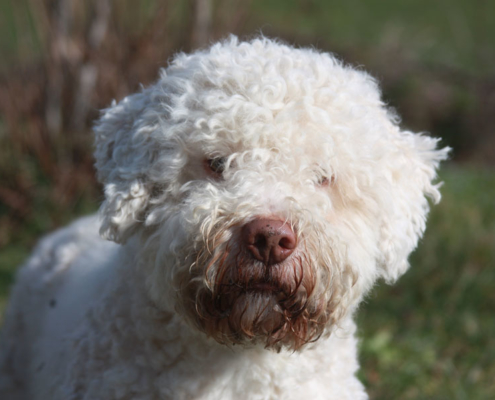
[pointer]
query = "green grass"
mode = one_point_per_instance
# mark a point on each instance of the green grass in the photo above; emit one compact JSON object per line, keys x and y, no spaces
{"x":430,"y":336}
{"x":455,"y":33}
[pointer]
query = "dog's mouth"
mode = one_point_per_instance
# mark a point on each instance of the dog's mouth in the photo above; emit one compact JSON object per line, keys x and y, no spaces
{"x":247,"y":302}
{"x":267,"y":287}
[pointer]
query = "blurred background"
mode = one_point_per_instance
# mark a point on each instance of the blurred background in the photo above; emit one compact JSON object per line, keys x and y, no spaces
{"x":431,"y":336}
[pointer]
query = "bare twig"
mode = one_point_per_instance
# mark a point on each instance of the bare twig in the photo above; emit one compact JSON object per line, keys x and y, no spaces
{"x":202,"y":14}
{"x":88,"y":72}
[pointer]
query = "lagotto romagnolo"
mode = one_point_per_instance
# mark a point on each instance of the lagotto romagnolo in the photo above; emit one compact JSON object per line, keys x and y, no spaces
{"x":253,"y":195}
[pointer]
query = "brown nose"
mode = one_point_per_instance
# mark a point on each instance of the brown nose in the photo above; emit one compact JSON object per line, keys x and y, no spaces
{"x":269,"y":240}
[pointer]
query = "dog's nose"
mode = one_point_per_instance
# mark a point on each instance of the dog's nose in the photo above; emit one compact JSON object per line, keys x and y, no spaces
{"x":269,"y":240}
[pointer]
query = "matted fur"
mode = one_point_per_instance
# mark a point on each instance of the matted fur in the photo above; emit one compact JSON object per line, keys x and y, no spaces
{"x":178,"y":308}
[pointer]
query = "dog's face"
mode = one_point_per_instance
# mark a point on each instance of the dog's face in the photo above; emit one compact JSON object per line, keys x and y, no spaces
{"x":268,"y":188}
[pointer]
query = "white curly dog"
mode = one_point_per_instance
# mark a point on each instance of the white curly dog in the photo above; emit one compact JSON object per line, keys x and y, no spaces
{"x":253,"y":195}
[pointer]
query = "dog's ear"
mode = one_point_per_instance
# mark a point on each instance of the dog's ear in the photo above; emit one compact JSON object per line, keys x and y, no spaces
{"x":412,"y":171}
{"x":123,"y":155}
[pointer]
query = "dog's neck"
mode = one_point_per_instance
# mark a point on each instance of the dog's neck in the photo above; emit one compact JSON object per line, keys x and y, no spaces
{"x":130,"y":332}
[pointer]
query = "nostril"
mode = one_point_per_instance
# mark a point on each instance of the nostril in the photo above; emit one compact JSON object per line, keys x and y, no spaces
{"x":287,"y":243}
{"x":260,"y":240}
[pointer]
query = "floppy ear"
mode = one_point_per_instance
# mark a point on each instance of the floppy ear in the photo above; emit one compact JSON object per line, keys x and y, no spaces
{"x":411,"y":169}
{"x":123,"y":155}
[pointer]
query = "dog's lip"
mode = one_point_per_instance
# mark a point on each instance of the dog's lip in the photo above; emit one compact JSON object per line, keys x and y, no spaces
{"x":263,"y":287}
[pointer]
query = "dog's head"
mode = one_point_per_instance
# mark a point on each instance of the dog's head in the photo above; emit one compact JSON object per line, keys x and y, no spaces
{"x":268,"y":188}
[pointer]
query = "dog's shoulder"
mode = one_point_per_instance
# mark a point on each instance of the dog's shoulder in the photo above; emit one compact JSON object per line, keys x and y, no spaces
{"x":56,"y":251}
{"x":73,"y":247}
{"x":61,"y":262}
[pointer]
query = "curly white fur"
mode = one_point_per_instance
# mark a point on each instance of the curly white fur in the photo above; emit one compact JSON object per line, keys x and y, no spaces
{"x":302,"y":139}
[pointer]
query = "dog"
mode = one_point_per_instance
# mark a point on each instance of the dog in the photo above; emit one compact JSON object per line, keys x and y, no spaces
{"x":253,"y":196}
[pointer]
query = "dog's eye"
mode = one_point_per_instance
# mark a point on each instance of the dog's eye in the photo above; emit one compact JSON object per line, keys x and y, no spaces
{"x":324,"y":181}
{"x":216,"y":165}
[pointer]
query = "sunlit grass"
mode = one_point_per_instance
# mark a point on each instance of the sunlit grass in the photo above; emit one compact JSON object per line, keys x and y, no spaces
{"x":431,"y":335}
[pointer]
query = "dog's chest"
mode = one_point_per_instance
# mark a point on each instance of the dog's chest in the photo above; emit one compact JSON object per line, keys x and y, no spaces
{"x":170,"y":363}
